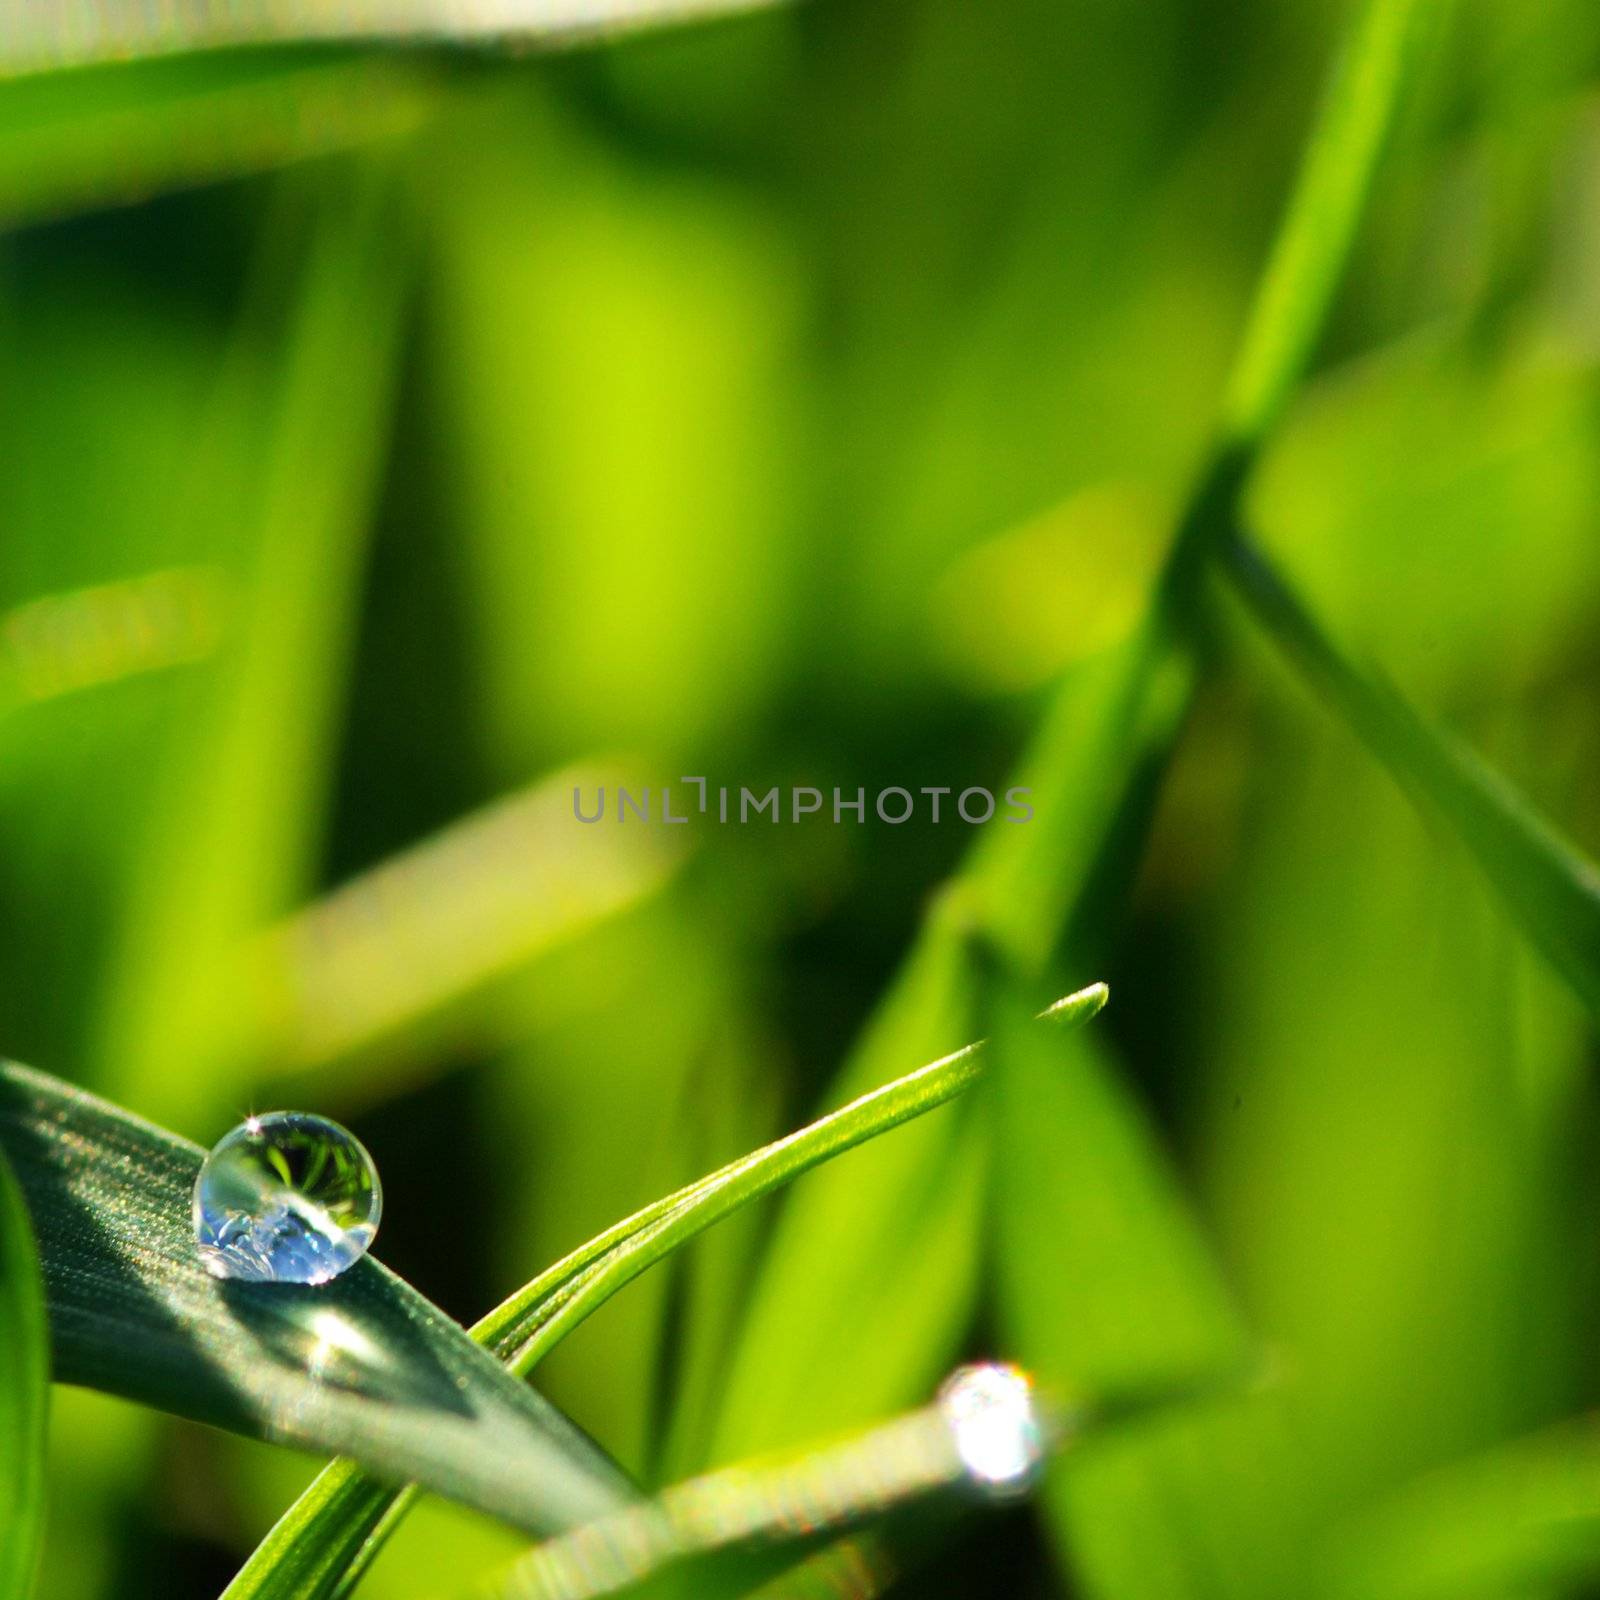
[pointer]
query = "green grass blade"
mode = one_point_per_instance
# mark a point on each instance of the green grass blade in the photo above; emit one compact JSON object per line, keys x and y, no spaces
{"x":24,"y":1385}
{"x":523,"y":1329}
{"x":1093,"y":769}
{"x":111,"y":135}
{"x":40,"y":34}
{"x":324,"y":1541}
{"x":1549,"y":887}
{"x":896,"y":1243}
{"x":363,"y":1366}
{"x":1319,"y":229}
{"x":1303,"y":271}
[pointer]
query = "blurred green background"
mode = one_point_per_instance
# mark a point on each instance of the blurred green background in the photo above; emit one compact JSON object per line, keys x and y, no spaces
{"x":386,"y":437}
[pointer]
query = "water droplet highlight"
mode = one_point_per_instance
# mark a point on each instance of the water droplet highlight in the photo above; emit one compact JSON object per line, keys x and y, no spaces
{"x":287,"y":1197}
{"x":995,"y":1422}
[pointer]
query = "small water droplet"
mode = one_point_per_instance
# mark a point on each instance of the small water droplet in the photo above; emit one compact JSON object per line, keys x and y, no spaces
{"x":994,"y":1419}
{"x":287,"y":1197}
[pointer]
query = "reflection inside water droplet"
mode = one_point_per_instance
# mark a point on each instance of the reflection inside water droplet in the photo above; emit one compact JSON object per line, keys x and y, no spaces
{"x":287,"y":1197}
{"x":994,"y":1418}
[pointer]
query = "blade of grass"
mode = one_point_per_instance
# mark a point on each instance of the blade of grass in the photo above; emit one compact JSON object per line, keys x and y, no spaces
{"x":1318,"y":230}
{"x":362,"y":1366}
{"x":325,"y":1541}
{"x":24,"y":1385}
{"x":1290,"y":307}
{"x":40,"y":34}
{"x":1549,"y":887}
{"x":840,"y":1257}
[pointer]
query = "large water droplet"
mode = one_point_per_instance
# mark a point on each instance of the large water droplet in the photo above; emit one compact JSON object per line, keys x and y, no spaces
{"x":287,"y":1197}
{"x":994,"y":1419}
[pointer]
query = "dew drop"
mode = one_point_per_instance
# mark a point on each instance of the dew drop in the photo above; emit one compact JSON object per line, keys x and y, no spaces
{"x":994,"y":1419}
{"x":287,"y":1197}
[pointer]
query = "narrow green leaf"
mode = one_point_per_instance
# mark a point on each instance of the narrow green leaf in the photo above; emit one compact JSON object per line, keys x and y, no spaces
{"x":324,"y":1542}
{"x":1549,"y":887}
{"x":362,"y":1366}
{"x":115,"y":134}
{"x":527,"y":1325}
{"x":1319,"y":229}
{"x":38,"y":34}
{"x":24,"y":1385}
{"x":895,"y":1244}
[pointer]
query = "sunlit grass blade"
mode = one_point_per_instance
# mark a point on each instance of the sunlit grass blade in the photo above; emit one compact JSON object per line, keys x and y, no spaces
{"x":24,"y":1383}
{"x":37,"y":34}
{"x":1523,"y":1518}
{"x":378,"y":967}
{"x":120,"y":133}
{"x":1550,"y":888}
{"x":362,"y":1366}
{"x":326,"y":1539}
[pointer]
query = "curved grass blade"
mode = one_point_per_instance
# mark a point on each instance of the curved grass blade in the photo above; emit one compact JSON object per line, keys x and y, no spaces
{"x":24,"y":1385}
{"x":1550,"y":888}
{"x":325,"y":1541}
{"x":363,"y":1366}
{"x":41,"y":34}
